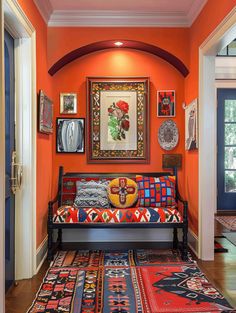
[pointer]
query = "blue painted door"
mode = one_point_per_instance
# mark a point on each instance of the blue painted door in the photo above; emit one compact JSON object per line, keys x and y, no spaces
{"x":226,"y":142}
{"x":10,"y":147}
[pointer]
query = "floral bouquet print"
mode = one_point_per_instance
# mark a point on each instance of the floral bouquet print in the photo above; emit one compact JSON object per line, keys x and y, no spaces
{"x":118,"y":123}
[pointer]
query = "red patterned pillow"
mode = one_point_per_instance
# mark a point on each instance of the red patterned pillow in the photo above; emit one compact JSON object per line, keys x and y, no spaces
{"x":156,"y":191}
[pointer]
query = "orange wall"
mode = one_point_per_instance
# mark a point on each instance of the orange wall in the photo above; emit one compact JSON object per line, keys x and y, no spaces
{"x":44,"y":142}
{"x":183,"y":43}
{"x":62,"y":40}
{"x":119,"y":62}
{"x":212,"y":14}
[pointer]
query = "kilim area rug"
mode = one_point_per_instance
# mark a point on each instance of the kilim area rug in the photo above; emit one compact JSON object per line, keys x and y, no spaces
{"x":231,"y":236}
{"x":218,"y":248}
{"x":141,"y":281}
{"x":228,"y":222}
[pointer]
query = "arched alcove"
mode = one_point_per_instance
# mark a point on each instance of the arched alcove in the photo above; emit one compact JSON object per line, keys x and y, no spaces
{"x":126,"y":44}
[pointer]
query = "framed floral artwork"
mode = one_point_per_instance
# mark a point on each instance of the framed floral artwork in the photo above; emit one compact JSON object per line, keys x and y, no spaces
{"x":166,"y":103}
{"x":118,"y":127}
{"x":70,"y":135}
{"x":68,"y":103}
{"x":45,"y":114}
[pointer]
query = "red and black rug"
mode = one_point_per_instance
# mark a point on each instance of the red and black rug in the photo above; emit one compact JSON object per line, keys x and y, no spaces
{"x":218,"y":248}
{"x":126,"y":282}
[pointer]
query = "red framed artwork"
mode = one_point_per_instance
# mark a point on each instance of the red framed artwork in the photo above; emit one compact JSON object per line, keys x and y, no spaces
{"x":118,"y":113}
{"x":166,"y":103}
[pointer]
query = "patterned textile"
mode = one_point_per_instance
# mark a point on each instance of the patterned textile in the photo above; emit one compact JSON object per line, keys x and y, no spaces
{"x":156,"y":191}
{"x":69,"y":188}
{"x":91,"y":194}
{"x":70,"y":214}
{"x":93,"y":258}
{"x":125,"y":288}
{"x":227,"y":221}
{"x":97,"y":258}
{"x":122,"y":192}
{"x":150,"y":257}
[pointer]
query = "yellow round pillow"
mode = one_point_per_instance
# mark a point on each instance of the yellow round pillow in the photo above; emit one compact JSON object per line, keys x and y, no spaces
{"x":122,"y":192}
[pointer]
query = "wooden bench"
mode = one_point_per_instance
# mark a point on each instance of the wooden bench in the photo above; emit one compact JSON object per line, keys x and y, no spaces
{"x":66,"y":195}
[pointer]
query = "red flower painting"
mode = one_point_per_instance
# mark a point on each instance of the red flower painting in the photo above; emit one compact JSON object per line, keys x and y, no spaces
{"x":118,"y":123}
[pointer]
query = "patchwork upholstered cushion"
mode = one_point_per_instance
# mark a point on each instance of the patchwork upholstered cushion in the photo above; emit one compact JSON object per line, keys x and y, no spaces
{"x":70,"y":214}
{"x":122,"y":192}
{"x":91,"y":194}
{"x":156,"y":191}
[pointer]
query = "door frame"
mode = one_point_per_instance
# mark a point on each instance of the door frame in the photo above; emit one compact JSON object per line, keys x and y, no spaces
{"x":19,"y":26}
{"x":219,"y":38}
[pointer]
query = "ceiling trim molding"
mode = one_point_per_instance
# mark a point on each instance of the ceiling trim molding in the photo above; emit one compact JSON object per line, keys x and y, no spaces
{"x":108,"y":18}
{"x":195,"y":10}
{"x":45,"y":8}
{"x":127,"y":44}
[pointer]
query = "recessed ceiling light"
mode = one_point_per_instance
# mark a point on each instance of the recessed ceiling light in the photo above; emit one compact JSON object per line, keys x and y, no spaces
{"x":118,"y":43}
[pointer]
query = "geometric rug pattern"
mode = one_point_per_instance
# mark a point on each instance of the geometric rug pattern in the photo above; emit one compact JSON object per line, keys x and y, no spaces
{"x":126,"y":282}
{"x":227,"y":221}
{"x":231,"y":236}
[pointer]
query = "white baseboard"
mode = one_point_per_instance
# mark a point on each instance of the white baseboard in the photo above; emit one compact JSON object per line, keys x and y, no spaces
{"x":41,"y":253}
{"x":193,"y":242}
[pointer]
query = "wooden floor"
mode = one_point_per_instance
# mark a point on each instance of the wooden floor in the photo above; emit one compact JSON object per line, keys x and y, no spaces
{"x":221,"y":272}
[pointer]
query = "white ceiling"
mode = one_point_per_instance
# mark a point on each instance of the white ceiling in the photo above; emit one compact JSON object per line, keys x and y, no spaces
{"x":168,"y":13}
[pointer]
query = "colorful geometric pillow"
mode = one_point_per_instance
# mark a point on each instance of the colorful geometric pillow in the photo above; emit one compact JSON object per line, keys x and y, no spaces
{"x":122,"y":192}
{"x":91,"y":194}
{"x":156,"y":191}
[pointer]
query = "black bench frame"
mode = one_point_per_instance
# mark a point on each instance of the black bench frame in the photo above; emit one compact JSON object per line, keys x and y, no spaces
{"x":58,"y":202}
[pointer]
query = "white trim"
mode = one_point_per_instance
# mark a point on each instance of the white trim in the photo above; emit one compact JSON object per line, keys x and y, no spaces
{"x":116,"y":18}
{"x":125,"y":18}
{"x":25,"y":71}
{"x":195,"y":10}
{"x":39,"y":251}
{"x":45,"y":9}
{"x":193,"y":241}
{"x":225,"y":83}
{"x":2,"y":168}
{"x":219,"y":38}
{"x":108,"y":18}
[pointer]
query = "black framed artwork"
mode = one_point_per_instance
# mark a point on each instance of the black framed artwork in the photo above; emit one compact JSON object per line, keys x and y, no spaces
{"x":70,"y":135}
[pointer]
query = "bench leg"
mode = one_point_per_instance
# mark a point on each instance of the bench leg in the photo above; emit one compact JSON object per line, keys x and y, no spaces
{"x":50,"y":244}
{"x":175,"y":238}
{"x":59,"y":238}
{"x":185,"y":243}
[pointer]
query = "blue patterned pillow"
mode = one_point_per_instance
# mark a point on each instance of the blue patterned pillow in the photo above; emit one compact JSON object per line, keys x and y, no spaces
{"x":91,"y":194}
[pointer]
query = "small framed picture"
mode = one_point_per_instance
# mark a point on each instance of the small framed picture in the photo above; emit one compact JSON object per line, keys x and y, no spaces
{"x":68,"y":103}
{"x":166,"y":103}
{"x":191,"y":126}
{"x":45,"y":114}
{"x":70,"y":135}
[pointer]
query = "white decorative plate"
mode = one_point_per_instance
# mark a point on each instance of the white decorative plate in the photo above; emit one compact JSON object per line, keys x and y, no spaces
{"x":168,"y":135}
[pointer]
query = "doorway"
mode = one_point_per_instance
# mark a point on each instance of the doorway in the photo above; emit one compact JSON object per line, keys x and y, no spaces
{"x":18,"y":25}
{"x":217,"y":40}
{"x":9,"y":150}
{"x":226,"y":150}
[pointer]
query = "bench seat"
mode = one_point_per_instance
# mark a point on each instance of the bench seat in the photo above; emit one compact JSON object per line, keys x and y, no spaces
{"x":70,"y":214}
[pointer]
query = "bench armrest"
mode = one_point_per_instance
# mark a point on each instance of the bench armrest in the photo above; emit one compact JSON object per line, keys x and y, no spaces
{"x":185,"y":206}
{"x":50,"y":208}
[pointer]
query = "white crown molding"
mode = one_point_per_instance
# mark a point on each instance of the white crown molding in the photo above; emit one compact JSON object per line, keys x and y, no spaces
{"x":45,"y":9}
{"x":122,"y":18}
{"x":109,"y":18}
{"x":194,"y":11}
